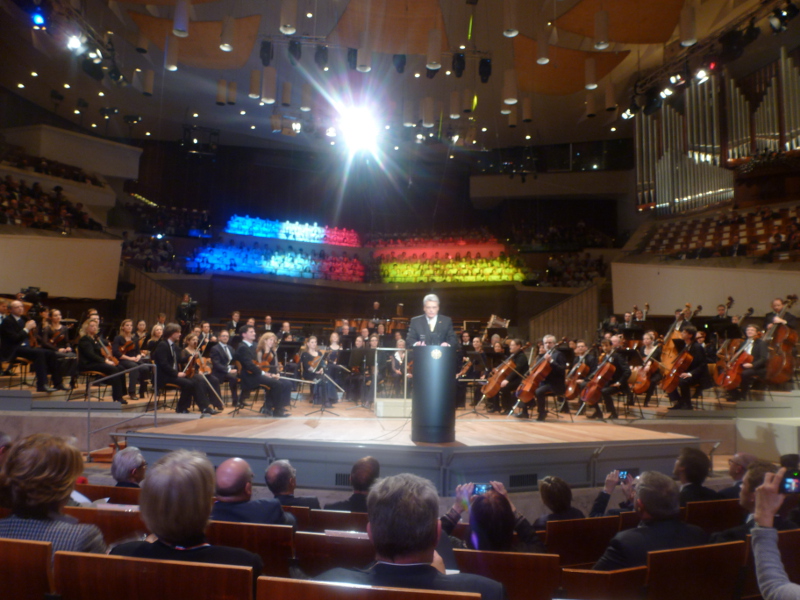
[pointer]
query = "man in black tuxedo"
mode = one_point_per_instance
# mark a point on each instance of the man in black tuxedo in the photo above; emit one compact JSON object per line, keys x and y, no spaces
{"x":756,"y":368}
{"x":617,"y":383}
{"x":281,"y":479}
{"x":268,"y":325}
{"x":14,"y":339}
{"x":774,"y":317}
{"x":404,"y":528}
{"x":554,"y":382}
{"x":233,"y":493}
{"x":505,"y":400}
{"x":660,"y":528}
{"x":253,"y":376}
{"x":364,"y":473}
{"x":165,"y":357}
{"x":691,"y":469}
{"x":735,"y":248}
{"x":221,"y":367}
{"x":431,"y":328}
{"x":696,"y":375}
{"x":233,"y":325}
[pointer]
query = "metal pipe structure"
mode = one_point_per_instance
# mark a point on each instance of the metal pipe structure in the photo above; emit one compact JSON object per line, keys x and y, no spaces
{"x":790,"y":78}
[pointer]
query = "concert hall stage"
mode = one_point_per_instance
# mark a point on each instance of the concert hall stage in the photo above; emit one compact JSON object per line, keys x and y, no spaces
{"x":508,"y":450}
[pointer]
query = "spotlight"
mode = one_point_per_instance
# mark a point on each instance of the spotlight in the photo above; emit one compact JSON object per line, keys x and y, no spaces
{"x":321,"y":56}
{"x":677,"y":79}
{"x":74,"y":43}
{"x":399,"y":61}
{"x":752,"y":32}
{"x":459,"y":64}
{"x":653,"y":102}
{"x":359,"y":128}
{"x":485,"y":69}
{"x":666,"y":92}
{"x":627,"y":114}
{"x":295,"y":50}
{"x":265,"y":53}
{"x":38,"y":19}
{"x":93,"y":69}
{"x":701,"y":76}
{"x":780,"y":17}
{"x":132,"y":119}
{"x":108,"y":112}
{"x":352,"y":58}
{"x":732,"y":46}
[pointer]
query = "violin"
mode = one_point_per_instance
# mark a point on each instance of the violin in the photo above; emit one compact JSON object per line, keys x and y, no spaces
{"x":502,"y":372}
{"x":33,"y":339}
{"x":129,"y":345}
{"x":316,"y":362}
{"x":106,"y":351}
{"x":781,"y":340}
{"x":593,"y":391}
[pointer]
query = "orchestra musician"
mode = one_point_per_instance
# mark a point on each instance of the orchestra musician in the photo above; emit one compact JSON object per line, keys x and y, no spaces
{"x":431,"y":328}
{"x":253,"y":376}
{"x":91,"y":358}
{"x":15,"y":342}
{"x":155,"y":337}
{"x":788,"y":318}
{"x":281,"y":389}
{"x":617,"y":383}
{"x":757,"y":368}
{"x":233,"y":325}
{"x":650,"y":350}
{"x":268,"y":324}
{"x":191,"y":349}
{"x":477,"y":369}
{"x":165,"y":356}
{"x":141,"y":334}
{"x":221,"y":357}
{"x":582,"y":355}
{"x":355,"y":381}
{"x":125,"y":348}
{"x":55,"y":336}
{"x":205,"y":336}
{"x":696,"y":374}
{"x":396,"y":368}
{"x":335,"y":351}
{"x":505,"y":400}
{"x":324,"y":390}
{"x":554,"y":383}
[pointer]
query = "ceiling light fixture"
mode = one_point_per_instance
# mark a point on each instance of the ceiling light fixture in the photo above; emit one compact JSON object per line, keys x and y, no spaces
{"x":434,"y":58}
{"x":510,"y":29}
{"x":601,"y":41}
{"x":590,"y":72}
{"x":288,"y":24}
{"x":226,"y":37}
{"x":180,"y":19}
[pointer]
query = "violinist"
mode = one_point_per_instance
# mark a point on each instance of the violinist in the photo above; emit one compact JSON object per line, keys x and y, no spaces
{"x":91,"y":358}
{"x":617,"y":383}
{"x":355,"y":380}
{"x":201,"y":372}
{"x":583,"y":356}
{"x":206,"y":336}
{"x":56,"y":336}
{"x":397,"y":367}
{"x":141,"y":335}
{"x":708,"y":347}
{"x":165,"y":356}
{"x":696,"y":374}
{"x":233,"y":325}
{"x":221,"y":358}
{"x":126,"y":350}
{"x":649,"y":350}
{"x":476,"y":368}
{"x":252,"y":374}
{"x":280,"y":390}
{"x":774,"y":317}
{"x":554,"y":383}
{"x":335,"y":351}
{"x":757,"y":368}
{"x":509,"y":385}
{"x":155,"y":337}
{"x":314,"y":365}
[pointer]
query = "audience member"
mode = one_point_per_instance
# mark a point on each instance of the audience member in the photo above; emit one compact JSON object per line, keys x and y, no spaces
{"x":281,"y":479}
{"x":691,"y":469}
{"x":557,"y":496}
{"x":128,"y":467}
{"x":364,"y":473}
{"x":36,"y":479}
{"x":234,"y":491}
{"x":657,"y":502}
{"x":5,"y":444}
{"x":404,"y":529}
{"x":737,"y":467}
{"x":612,"y":481}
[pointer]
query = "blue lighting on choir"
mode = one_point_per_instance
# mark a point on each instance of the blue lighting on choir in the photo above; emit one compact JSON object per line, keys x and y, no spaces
{"x":286,"y":230}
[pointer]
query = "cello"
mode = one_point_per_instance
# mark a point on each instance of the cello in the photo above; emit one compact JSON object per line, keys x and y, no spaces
{"x":593,"y":391}
{"x":579,"y":371}
{"x":731,"y":378}
{"x":679,"y":367}
{"x":730,"y":346}
{"x":646,"y":372}
{"x":782,"y":340}
{"x":499,"y":374}
{"x":536,"y":375}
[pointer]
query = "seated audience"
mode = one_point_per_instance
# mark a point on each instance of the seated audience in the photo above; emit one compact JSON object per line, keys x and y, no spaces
{"x":175,"y":505}
{"x":656,"y":500}
{"x":691,"y":470}
{"x":234,"y":491}
{"x":128,"y":467}
{"x":281,"y":479}
{"x":737,"y":467}
{"x":5,"y":444}
{"x":37,"y":476}
{"x":364,"y":473}
{"x":557,"y":496}
{"x":404,"y":529}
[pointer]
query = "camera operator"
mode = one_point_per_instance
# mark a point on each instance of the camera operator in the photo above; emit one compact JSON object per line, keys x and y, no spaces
{"x":185,"y":315}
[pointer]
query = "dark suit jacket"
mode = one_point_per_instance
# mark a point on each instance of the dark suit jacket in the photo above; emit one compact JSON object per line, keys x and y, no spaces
{"x":355,"y":503}
{"x":698,"y":368}
{"x":289,"y":500}
{"x":163,"y":359}
{"x":729,"y":493}
{"x":219,"y":360}
{"x":790,"y":319}
{"x":418,"y":330}
{"x":421,"y":577}
{"x":694,"y":492}
{"x":557,"y":369}
{"x":251,"y":373}
{"x":629,"y":548}
{"x":264,"y":511}
{"x":127,"y":484}
{"x":740,"y":532}
{"x":520,"y":360}
{"x":12,"y":334}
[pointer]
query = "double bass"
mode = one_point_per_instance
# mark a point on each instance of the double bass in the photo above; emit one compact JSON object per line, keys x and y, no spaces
{"x":668,"y":351}
{"x":499,"y":374}
{"x":782,"y":340}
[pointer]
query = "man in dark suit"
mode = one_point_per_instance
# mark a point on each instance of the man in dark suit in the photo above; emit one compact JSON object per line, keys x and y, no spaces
{"x":165,"y":357}
{"x":431,"y":328}
{"x":695,"y":375}
{"x":281,"y":479}
{"x":774,"y":317}
{"x":755,"y":368}
{"x":506,"y":399}
{"x":617,"y":383}
{"x":660,"y":528}
{"x":364,"y":473}
{"x":691,"y":469}
{"x":404,"y":528}
{"x":14,"y":340}
{"x":234,"y":490}
{"x":554,"y":382}
{"x":268,"y":325}
{"x":252,"y":375}
{"x":735,"y":248}
{"x":233,"y":325}
{"x":221,"y":367}
{"x":737,"y":467}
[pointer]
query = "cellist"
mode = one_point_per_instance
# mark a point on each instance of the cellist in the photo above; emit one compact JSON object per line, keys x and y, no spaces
{"x":554,"y":383}
{"x":507,"y":386}
{"x":649,"y":350}
{"x":618,"y":382}
{"x":696,"y":373}
{"x":774,"y":317}
{"x":758,"y":349}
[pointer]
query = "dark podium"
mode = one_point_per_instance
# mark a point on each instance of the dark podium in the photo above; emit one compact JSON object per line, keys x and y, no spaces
{"x":433,"y":402}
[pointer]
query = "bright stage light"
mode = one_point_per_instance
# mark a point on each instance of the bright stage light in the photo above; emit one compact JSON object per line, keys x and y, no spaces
{"x":359,"y":128}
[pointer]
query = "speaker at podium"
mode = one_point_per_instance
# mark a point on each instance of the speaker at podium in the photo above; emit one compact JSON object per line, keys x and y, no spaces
{"x":433,"y":401}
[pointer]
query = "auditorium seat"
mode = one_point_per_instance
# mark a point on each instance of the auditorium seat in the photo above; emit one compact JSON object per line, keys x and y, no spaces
{"x":581,"y":542}
{"x":116,"y":495}
{"x":715,"y":515}
{"x":317,"y":552}
{"x":622,"y":584}
{"x":515,"y":570}
{"x":322,"y":520}
{"x":25,"y":572}
{"x":302,"y":515}
{"x":116,"y":525}
{"x":273,"y":543}
{"x":270,"y":588}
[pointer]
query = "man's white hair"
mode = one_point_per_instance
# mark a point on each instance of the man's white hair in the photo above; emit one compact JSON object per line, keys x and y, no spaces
{"x":430,"y":298}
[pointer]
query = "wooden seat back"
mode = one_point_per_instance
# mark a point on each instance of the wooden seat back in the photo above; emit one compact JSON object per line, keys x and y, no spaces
{"x":302,"y":515}
{"x":514,"y":570}
{"x":273,"y":543}
{"x":581,"y":542}
{"x":81,"y":576}
{"x":317,"y":552}
{"x":115,"y":495}
{"x":338,"y":520}
{"x":25,"y":572}
{"x":628,"y":520}
{"x":116,"y":525}
{"x":271,"y":588}
{"x":622,"y":584}
{"x":708,"y":572}
{"x":715,"y":515}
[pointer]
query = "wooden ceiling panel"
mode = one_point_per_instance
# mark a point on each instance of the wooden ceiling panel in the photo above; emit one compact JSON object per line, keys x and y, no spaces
{"x":629,"y":21}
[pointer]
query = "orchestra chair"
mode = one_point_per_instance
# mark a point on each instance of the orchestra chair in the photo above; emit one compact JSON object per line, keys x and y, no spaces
{"x":629,"y":519}
{"x":559,"y":403}
{"x":23,"y":366}
{"x":622,"y":584}
{"x":88,"y":377}
{"x":82,"y":576}
{"x":25,"y":569}
{"x":115,"y":495}
{"x":581,"y":542}
{"x":622,"y":404}
{"x":715,"y":515}
{"x":162,"y":395}
{"x":316,"y":553}
{"x":339,"y":520}
{"x":271,"y":588}
{"x":115,"y":525}
{"x":709,"y":572}
{"x":302,"y":515}
{"x":514,"y":570}
{"x":243,"y":404}
{"x":273,"y":543}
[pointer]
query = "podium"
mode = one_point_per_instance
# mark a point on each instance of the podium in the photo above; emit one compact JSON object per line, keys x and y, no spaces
{"x":433,"y":402}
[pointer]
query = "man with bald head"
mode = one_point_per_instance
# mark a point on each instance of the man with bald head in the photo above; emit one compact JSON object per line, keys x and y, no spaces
{"x":234,"y":490}
{"x":363,"y":474}
{"x":737,"y":467}
{"x":281,"y":479}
